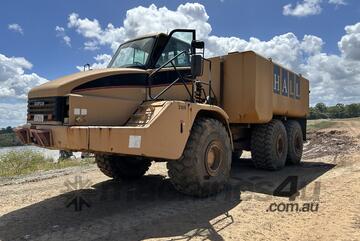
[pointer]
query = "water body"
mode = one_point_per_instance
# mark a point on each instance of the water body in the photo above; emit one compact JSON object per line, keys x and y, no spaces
{"x":54,"y":154}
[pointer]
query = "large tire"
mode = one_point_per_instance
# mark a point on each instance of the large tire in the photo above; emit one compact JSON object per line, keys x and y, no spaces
{"x":269,"y":145}
{"x":122,"y":167}
{"x":295,"y":140}
{"x":204,"y":167}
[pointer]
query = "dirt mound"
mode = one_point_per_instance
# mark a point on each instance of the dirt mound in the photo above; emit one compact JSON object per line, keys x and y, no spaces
{"x":328,"y":142}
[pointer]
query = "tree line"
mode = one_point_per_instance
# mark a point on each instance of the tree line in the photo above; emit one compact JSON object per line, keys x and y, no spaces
{"x":8,"y":137}
{"x":8,"y":129}
{"x":321,"y":111}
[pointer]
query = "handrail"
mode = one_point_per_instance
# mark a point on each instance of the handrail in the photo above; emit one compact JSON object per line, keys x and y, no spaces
{"x":174,"y":82}
{"x":182,"y":79}
{"x":166,"y":63}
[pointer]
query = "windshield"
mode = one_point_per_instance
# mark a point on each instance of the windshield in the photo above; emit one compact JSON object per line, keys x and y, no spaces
{"x":133,"y":54}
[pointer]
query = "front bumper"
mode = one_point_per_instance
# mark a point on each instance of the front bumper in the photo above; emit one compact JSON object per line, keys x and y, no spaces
{"x":136,"y":141}
{"x":164,"y":136}
{"x":41,"y":138}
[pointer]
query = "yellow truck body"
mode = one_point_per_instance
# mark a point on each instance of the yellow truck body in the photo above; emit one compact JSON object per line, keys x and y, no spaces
{"x":161,"y":100}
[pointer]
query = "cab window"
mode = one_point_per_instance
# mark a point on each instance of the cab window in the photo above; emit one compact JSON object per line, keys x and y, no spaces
{"x":178,"y":42}
{"x":133,"y":54}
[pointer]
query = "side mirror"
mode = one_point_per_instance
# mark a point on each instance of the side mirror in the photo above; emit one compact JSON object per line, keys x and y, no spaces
{"x":197,"y":44}
{"x":197,"y":62}
{"x":196,"y":65}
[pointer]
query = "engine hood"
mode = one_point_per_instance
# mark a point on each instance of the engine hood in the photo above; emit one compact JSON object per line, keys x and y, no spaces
{"x":64,"y":85}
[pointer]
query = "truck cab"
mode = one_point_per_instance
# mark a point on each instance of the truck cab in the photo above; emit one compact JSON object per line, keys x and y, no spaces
{"x":124,"y":83}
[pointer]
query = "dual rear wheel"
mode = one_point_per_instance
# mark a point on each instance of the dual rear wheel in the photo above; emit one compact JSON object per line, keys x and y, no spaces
{"x":274,"y":144}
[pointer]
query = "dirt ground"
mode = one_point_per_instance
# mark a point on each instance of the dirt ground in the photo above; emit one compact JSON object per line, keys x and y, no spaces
{"x":43,"y":206}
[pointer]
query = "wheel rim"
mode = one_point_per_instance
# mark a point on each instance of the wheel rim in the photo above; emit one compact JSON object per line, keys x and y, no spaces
{"x":280,"y":145}
{"x":213,"y":158}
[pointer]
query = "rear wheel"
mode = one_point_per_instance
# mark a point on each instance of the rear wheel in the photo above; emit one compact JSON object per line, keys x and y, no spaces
{"x":295,"y":140}
{"x":122,"y":167}
{"x":269,"y":145}
{"x":204,"y":168}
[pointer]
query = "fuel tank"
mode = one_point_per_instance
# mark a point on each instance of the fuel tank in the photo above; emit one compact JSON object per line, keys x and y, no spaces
{"x":253,"y":89}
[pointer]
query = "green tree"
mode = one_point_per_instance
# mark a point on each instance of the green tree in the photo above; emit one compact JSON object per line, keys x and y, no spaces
{"x":314,"y":114}
{"x":336,"y":111}
{"x":353,"y":110}
{"x":321,"y":111}
{"x":321,"y":107}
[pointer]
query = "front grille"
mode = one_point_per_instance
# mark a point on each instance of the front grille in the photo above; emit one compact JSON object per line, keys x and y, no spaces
{"x":51,"y":108}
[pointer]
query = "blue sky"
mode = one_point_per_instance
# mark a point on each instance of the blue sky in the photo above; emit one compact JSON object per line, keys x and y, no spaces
{"x":35,"y":40}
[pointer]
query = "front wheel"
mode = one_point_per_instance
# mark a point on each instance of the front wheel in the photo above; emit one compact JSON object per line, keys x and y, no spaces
{"x":204,"y":168}
{"x":122,"y":167}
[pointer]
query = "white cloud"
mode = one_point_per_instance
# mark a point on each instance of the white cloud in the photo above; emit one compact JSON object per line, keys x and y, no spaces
{"x":91,"y":45}
{"x":16,"y":28}
{"x":67,"y":40}
{"x":285,"y":49}
{"x":12,"y":114}
{"x":61,"y":33}
{"x":349,"y":44}
{"x":141,"y":20}
{"x":102,"y":61}
{"x":312,"y":44}
{"x":338,"y":2}
{"x":86,"y":27}
{"x":308,"y":7}
{"x":333,"y":79}
{"x":14,"y":82}
{"x":305,"y":8}
{"x":59,"y":29}
{"x":92,"y":30}
{"x":336,"y":78}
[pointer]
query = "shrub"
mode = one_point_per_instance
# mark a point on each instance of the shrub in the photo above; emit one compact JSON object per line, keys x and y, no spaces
{"x":27,"y":161}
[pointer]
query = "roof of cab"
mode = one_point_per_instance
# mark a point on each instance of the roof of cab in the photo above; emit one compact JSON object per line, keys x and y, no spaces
{"x":156,"y":34}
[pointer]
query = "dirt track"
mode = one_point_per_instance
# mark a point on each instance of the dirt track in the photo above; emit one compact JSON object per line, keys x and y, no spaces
{"x":151,"y":209}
